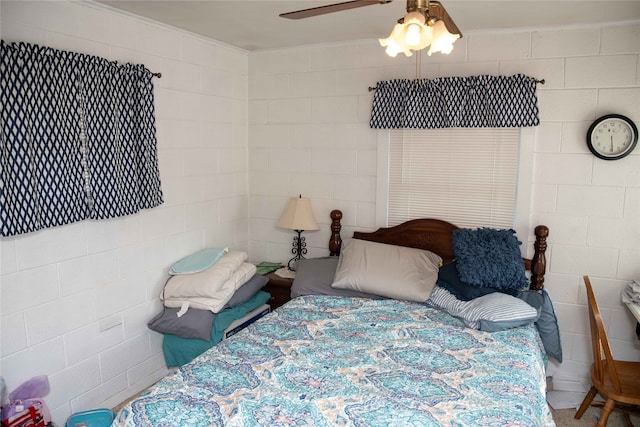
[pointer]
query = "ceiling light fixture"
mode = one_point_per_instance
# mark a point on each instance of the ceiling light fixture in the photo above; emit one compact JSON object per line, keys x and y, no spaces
{"x":426,"y":23}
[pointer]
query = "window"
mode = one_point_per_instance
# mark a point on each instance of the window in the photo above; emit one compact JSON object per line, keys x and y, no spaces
{"x":468,"y":176}
{"x":77,"y":140}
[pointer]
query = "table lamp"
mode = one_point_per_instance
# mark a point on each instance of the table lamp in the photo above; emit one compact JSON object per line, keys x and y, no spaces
{"x":298,"y":217}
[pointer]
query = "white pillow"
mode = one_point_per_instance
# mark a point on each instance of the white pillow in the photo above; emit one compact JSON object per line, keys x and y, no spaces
{"x":205,"y":283}
{"x":387,"y":270}
{"x":210,"y":298}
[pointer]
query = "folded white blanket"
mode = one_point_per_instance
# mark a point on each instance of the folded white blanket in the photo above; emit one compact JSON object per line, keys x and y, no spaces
{"x":207,"y":282}
{"x":212,"y":298}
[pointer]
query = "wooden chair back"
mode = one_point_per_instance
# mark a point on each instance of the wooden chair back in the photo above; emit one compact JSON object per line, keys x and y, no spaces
{"x":603,"y":362}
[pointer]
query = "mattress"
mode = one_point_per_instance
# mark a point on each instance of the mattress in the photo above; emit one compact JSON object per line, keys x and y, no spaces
{"x":322,"y":360}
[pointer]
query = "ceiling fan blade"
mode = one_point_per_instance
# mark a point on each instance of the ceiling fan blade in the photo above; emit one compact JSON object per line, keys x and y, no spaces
{"x":437,"y":10}
{"x":337,"y":7}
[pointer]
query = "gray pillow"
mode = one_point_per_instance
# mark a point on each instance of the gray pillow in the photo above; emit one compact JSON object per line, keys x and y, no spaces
{"x":391,"y":271}
{"x":246,"y":291}
{"x":314,"y":276}
{"x":449,"y":279}
{"x":194,"y":323}
{"x":547,"y":323}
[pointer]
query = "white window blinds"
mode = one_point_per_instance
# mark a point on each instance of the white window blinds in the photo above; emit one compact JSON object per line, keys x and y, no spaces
{"x":468,"y":176}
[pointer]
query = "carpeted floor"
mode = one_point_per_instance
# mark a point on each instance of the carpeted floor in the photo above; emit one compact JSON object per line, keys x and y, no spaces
{"x":571,"y":400}
{"x":564,"y":417}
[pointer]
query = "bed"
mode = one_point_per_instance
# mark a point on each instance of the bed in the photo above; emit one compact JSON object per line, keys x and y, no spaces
{"x":332,"y":359}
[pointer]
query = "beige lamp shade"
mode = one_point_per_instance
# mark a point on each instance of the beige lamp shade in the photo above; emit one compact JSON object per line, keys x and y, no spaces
{"x":298,"y":215}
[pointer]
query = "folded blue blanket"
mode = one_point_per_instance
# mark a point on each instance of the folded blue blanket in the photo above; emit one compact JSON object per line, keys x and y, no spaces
{"x":198,"y":261}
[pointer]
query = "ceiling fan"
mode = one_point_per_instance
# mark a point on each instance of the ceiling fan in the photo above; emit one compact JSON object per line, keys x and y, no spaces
{"x":426,"y":23}
{"x":434,"y":9}
{"x":337,"y":7}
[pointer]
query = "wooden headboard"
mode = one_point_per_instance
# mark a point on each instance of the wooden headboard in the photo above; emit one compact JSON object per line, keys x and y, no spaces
{"x":435,"y":235}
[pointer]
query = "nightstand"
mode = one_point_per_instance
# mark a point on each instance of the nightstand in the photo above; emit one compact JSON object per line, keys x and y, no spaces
{"x":279,"y":288}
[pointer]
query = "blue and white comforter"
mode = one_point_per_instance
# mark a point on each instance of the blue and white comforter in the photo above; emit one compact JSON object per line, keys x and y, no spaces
{"x":327,"y":361}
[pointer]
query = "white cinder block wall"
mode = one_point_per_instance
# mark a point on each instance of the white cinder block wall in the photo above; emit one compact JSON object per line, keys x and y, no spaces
{"x":308,"y":133}
{"x":76,"y":299}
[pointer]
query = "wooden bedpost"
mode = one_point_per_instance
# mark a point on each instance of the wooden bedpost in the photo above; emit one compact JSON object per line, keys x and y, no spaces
{"x":335,"y":243}
{"x":539,"y":261}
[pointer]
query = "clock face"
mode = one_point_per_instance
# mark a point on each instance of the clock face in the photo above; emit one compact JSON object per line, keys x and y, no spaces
{"x":612,"y":137}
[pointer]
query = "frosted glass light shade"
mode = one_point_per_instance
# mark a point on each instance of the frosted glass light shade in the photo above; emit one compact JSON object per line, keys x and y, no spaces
{"x":416,"y":33}
{"x":394,"y":43}
{"x":442,"y":39}
{"x":298,"y":215}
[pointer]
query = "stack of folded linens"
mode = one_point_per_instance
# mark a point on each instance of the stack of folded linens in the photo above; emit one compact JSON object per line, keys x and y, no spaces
{"x":211,"y":288}
{"x":201,"y":286}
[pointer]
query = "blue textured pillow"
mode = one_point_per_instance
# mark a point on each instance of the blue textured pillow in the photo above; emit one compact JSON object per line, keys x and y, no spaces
{"x":489,"y":257}
{"x":547,"y":323}
{"x":449,"y":279}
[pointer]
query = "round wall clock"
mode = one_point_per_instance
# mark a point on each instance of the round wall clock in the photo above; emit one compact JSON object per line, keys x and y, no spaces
{"x":612,"y":137}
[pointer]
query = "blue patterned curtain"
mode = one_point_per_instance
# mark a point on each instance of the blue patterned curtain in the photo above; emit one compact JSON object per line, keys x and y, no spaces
{"x":78,"y":138}
{"x":449,"y":102}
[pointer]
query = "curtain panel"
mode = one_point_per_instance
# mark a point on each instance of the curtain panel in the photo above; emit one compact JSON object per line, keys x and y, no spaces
{"x":78,"y":138}
{"x":456,"y":102}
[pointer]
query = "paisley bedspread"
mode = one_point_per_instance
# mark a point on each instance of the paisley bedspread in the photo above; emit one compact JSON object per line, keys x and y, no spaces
{"x":332,"y":361}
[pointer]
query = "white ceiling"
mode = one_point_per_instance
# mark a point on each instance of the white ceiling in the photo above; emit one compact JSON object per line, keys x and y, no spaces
{"x":255,"y":25}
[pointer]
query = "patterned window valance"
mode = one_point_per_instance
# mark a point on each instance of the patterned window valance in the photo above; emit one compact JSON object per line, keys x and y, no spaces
{"x":448,"y":102}
{"x":78,"y":138}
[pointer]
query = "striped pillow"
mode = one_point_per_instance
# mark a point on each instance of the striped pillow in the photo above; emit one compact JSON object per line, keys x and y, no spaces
{"x":492,"y":312}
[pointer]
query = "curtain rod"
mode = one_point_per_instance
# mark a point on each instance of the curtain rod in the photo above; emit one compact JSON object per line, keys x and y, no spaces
{"x":52,"y":51}
{"x":372,"y":88}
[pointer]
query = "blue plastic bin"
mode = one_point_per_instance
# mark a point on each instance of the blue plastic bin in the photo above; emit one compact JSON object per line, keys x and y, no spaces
{"x":101,"y":417}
